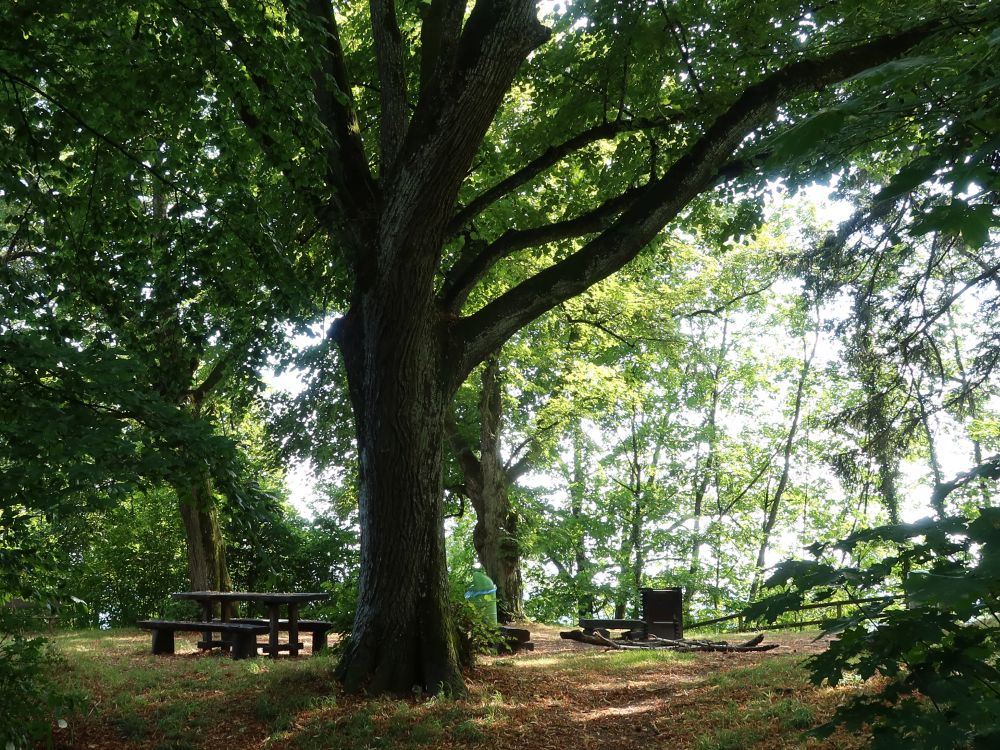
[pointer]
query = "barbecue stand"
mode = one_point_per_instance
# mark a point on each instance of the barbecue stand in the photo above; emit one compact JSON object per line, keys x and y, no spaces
{"x":661,"y":616}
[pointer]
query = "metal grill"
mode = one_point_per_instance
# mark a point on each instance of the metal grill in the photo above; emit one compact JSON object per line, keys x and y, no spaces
{"x":662,"y":611}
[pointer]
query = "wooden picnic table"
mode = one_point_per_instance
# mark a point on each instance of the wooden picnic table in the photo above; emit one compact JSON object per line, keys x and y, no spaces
{"x":274,"y":603}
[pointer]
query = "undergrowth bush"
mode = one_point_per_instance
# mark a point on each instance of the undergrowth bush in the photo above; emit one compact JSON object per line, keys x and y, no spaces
{"x":475,"y":635}
{"x":938,"y":645}
{"x":30,"y":699}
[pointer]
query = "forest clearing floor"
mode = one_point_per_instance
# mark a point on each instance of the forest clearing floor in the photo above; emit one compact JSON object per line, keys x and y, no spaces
{"x":563,"y":696}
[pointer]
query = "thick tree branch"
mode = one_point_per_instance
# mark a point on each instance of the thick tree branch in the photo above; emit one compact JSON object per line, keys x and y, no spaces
{"x":15,"y":255}
{"x":346,"y":160}
{"x":478,"y":258}
{"x":516,"y":467}
{"x":551,"y":156}
{"x":989,"y":469}
{"x":439,"y":35}
{"x":392,"y":81}
{"x":447,"y":130}
{"x":472,"y":467}
{"x":663,"y":200}
{"x":215,"y":374}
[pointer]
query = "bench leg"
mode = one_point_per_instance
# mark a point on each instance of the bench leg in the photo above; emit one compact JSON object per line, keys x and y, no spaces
{"x":163,"y":641}
{"x":243,"y":645}
{"x":319,"y":640}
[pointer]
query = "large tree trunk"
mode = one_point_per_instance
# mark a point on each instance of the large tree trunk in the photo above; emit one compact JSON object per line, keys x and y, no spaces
{"x":487,"y":484}
{"x":206,"y":550}
{"x":405,"y":351}
{"x":403,"y":636}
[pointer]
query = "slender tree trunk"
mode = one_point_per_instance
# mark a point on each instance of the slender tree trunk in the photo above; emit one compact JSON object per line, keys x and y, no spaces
{"x":936,"y":473}
{"x":888,"y":479}
{"x":970,"y":399}
{"x":400,"y":388}
{"x":639,"y":557}
{"x":632,"y":553}
{"x":779,"y":492}
{"x":626,"y":590}
{"x":702,"y":481}
{"x":206,"y":549}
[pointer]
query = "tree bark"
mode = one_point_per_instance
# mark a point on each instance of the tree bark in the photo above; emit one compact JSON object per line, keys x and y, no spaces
{"x":577,"y":492}
{"x":402,"y":358}
{"x":400,"y":388}
{"x":206,"y":551}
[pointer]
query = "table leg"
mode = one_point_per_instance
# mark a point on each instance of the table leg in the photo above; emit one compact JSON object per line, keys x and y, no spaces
{"x":206,"y":610}
{"x":225,"y":613}
{"x":272,"y":640}
{"x":293,"y":628}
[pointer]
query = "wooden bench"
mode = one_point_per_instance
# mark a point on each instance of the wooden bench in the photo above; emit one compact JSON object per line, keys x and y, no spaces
{"x":318,"y":628}
{"x":515,"y":639}
{"x":242,"y":637}
{"x":638,"y":629}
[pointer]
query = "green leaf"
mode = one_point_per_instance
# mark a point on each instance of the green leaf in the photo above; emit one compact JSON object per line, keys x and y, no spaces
{"x":972,"y":223}
{"x":917,"y":172}
{"x":806,"y":136}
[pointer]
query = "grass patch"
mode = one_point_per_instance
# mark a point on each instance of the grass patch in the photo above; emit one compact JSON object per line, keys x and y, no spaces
{"x":176,"y":701}
{"x":575,"y":697}
{"x":760,"y":703}
{"x":601,"y":662}
{"x":774,"y":673}
{"x":405,"y":724}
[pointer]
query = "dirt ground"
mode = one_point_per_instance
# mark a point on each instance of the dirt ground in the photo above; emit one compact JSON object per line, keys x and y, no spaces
{"x":564,"y":695}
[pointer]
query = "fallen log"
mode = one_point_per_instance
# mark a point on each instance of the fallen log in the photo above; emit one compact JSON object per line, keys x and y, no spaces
{"x":755,"y":641}
{"x":595,"y":639}
{"x":682,"y":645}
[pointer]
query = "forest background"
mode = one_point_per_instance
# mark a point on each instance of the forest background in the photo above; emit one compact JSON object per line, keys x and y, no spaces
{"x":808,"y":354}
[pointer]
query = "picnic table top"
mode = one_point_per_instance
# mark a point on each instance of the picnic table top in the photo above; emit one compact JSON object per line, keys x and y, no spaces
{"x":289,"y":597}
